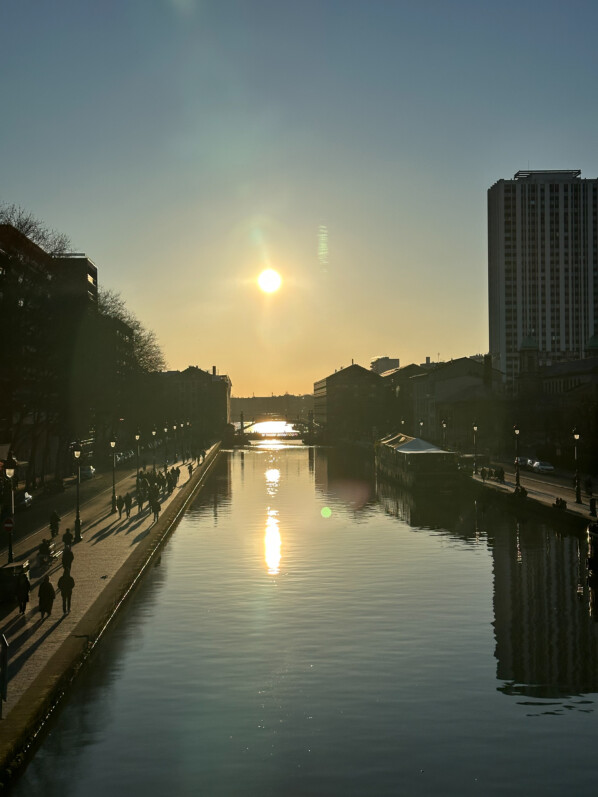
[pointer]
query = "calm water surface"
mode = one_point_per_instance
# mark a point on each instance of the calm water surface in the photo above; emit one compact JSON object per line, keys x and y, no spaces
{"x":307,"y":632}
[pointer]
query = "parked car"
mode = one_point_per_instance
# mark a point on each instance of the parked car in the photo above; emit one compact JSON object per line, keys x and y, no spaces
{"x":23,"y":500}
{"x":87,"y":472}
{"x":521,"y":461}
{"x":542,"y":467}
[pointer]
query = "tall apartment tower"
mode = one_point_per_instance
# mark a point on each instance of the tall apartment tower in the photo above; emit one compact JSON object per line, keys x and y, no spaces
{"x":542,"y":266}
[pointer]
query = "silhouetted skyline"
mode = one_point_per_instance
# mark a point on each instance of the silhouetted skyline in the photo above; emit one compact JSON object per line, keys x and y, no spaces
{"x":185,"y":146}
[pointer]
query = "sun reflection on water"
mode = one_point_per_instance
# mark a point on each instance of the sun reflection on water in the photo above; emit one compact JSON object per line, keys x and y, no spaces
{"x":272,"y":542}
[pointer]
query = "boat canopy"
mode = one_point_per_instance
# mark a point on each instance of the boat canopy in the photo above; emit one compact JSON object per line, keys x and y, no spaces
{"x":412,"y":445}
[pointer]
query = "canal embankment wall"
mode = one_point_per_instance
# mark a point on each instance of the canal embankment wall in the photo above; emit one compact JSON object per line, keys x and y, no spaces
{"x":24,"y":725}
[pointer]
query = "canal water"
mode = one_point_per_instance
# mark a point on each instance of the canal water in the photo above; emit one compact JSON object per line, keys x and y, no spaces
{"x":309,"y":632}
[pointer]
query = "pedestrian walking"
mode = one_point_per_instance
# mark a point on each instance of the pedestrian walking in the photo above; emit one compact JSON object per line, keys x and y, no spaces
{"x":128,"y":504}
{"x":23,"y":590}
{"x":190,"y":469}
{"x":68,"y":558}
{"x":140,"y":499}
{"x":54,"y":523}
{"x":67,"y":538}
{"x":65,"y":584}
{"x":156,"y":510}
{"x":120,"y":503}
{"x":46,"y":595}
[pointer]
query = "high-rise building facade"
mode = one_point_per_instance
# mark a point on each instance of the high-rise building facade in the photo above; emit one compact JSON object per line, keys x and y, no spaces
{"x":542,"y":266}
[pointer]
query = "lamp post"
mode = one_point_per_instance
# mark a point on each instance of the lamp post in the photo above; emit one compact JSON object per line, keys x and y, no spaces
{"x":113,"y":446}
{"x":443,"y":434}
{"x":137,"y":436}
{"x":154,"y":447}
{"x":421,"y":428}
{"x":165,"y":449}
{"x":516,"y":431}
{"x":402,"y":425}
{"x":9,"y":469}
{"x":189,"y":446}
{"x":475,"y":448}
{"x":577,"y":480}
{"x":175,"y":448}
{"x":77,"y":455}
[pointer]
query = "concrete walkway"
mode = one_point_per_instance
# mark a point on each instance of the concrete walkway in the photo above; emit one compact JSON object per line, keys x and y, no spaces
{"x":543,"y":490}
{"x":44,"y":655}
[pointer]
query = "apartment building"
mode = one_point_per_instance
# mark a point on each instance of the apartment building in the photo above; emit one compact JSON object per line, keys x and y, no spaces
{"x":542,"y":266}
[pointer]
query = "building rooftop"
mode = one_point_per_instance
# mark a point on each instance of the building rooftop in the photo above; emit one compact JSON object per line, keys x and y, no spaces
{"x":547,"y":175}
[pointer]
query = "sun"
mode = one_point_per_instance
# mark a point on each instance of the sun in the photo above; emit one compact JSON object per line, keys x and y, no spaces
{"x":269,"y":280}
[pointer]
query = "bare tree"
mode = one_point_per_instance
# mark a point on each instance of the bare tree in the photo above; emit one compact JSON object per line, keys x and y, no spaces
{"x":51,"y":241}
{"x":147,"y":353}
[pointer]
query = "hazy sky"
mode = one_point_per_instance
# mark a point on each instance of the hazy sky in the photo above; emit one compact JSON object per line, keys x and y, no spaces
{"x":185,"y":145}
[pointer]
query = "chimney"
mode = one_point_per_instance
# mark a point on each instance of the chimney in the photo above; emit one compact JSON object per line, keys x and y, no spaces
{"x":213,"y":370}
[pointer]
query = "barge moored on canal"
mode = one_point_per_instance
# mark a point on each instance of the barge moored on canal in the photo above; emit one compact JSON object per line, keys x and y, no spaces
{"x":415,"y":463}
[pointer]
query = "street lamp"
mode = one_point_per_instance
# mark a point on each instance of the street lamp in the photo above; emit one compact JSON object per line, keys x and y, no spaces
{"x":443,"y":434}
{"x":113,"y":446}
{"x":577,"y":480}
{"x":77,"y":455}
{"x":475,"y":448}
{"x":154,"y":447}
{"x":516,"y":431}
{"x":421,"y":428}
{"x":9,"y":469}
{"x":165,"y":449}
{"x":137,"y":436}
{"x":176,"y":456}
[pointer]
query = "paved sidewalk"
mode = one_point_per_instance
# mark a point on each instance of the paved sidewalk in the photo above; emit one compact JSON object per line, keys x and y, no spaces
{"x":106,"y":562}
{"x":543,"y":492}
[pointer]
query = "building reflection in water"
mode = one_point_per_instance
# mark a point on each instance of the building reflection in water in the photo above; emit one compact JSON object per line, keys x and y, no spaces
{"x":217,"y":491}
{"x":344,"y":476}
{"x":546,"y":640}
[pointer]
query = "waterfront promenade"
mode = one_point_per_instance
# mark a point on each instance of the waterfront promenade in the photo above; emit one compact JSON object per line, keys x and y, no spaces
{"x":543,"y":490}
{"x":44,"y":655}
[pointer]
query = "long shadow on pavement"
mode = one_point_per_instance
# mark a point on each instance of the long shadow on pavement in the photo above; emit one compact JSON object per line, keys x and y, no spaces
{"x":16,"y":664}
{"x":100,"y":519}
{"x":101,"y":534}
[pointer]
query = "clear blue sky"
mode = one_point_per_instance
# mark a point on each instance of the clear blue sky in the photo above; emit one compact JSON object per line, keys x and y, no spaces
{"x":185,"y":145}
